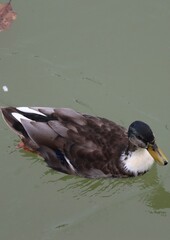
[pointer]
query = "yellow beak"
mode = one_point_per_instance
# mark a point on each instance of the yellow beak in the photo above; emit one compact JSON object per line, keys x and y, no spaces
{"x":157,"y":155}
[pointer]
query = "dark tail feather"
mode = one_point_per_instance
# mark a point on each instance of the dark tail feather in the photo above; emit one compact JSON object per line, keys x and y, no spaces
{"x":15,"y":125}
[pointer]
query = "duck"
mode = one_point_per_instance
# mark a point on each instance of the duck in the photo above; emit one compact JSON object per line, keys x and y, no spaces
{"x":83,"y":145}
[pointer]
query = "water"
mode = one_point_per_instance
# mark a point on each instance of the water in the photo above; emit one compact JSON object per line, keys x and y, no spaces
{"x":107,"y":58}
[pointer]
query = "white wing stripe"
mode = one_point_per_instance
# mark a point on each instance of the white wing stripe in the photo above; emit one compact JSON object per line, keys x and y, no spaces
{"x":68,"y":161}
{"x":29,"y":110}
{"x":18,"y":117}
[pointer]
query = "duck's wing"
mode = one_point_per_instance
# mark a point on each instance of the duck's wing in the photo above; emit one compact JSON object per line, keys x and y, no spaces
{"x":69,"y":141}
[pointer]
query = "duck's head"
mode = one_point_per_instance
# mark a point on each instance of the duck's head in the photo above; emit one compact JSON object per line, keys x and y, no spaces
{"x":141,"y":135}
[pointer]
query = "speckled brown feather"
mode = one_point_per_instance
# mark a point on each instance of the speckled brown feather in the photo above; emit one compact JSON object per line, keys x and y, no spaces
{"x":93,"y":145}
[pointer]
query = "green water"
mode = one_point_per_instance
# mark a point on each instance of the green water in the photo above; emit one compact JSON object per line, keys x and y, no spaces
{"x":107,"y":58}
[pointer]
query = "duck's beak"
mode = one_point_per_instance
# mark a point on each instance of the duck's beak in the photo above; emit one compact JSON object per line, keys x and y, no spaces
{"x":157,"y":155}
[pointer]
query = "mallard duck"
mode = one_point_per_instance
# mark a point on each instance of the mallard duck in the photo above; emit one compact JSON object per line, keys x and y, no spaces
{"x":84,"y":145}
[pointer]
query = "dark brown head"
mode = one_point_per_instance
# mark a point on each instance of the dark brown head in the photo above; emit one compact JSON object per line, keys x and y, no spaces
{"x":141,"y":135}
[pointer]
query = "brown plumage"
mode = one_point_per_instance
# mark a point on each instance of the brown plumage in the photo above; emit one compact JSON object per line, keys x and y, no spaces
{"x":79,"y":144}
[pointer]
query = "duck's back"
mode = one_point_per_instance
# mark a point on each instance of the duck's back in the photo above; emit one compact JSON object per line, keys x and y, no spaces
{"x":69,"y":141}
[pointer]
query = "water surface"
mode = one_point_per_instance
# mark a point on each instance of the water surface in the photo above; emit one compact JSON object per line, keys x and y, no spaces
{"x":107,"y":58}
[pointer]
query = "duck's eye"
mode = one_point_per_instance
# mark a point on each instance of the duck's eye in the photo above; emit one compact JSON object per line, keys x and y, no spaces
{"x":140,"y":137}
{"x":143,"y":142}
